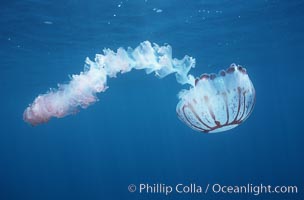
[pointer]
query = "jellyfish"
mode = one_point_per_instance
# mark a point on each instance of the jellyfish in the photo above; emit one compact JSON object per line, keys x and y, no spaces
{"x":213,"y":103}
{"x":217,"y":102}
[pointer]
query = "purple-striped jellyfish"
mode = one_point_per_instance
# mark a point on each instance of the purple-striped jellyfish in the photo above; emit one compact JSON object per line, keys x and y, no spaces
{"x":217,"y":102}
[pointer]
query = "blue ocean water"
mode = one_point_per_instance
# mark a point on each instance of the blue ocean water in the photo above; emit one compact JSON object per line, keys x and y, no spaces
{"x":132,"y":135}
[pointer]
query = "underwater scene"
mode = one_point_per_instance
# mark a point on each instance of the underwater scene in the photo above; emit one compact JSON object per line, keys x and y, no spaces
{"x":151,"y":99}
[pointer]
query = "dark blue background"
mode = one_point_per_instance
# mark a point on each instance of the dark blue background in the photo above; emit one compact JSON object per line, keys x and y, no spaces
{"x":132,"y":135}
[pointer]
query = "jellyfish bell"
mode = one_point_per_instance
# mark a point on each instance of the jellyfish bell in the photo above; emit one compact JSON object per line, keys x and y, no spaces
{"x":217,"y":102}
